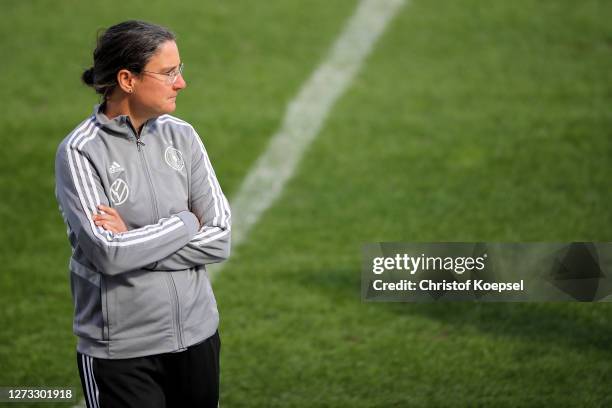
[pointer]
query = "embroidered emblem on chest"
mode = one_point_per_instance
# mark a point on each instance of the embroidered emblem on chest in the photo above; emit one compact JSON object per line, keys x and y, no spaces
{"x":119,"y":191}
{"x":174,"y":158}
{"x":115,"y":168}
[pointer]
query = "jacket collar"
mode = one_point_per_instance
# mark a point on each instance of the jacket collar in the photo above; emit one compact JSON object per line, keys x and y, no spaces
{"x":119,"y":125}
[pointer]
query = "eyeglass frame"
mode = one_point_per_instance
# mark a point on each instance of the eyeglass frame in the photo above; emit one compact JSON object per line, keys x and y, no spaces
{"x":171,"y":76}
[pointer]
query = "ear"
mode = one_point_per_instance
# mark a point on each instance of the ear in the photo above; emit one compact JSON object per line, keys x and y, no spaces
{"x":126,"y":80}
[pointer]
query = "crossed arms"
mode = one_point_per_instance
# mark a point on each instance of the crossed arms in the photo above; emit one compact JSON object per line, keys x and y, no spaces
{"x":184,"y":240}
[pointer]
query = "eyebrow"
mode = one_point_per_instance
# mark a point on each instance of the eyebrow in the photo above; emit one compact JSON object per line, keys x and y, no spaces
{"x":172,"y":68}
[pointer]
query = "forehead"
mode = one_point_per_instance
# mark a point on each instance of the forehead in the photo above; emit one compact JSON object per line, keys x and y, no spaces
{"x":167,"y":56}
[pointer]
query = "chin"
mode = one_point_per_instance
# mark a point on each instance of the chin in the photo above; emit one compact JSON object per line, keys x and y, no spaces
{"x":171,"y":107}
{"x":166,"y":109}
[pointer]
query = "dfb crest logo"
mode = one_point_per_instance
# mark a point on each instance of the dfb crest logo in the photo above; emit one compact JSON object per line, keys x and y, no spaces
{"x":174,"y":158}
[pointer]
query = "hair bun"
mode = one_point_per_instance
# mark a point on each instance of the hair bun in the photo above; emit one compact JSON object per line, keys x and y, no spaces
{"x":88,"y":76}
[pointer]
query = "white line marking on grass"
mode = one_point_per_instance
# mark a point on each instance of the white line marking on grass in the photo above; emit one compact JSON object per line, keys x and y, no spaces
{"x":305,"y":116}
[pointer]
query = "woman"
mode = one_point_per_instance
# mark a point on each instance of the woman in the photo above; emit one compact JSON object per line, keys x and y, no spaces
{"x":145,"y":214}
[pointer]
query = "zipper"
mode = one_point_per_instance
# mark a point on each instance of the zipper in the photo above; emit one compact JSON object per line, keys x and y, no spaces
{"x":169,"y":278}
{"x":144,"y":164}
{"x":152,"y":196}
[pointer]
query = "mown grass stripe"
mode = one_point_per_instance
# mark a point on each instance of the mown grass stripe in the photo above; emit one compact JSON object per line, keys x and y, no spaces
{"x":306,"y":114}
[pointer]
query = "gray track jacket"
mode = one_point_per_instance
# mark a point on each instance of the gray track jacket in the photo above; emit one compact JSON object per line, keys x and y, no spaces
{"x":144,"y":291}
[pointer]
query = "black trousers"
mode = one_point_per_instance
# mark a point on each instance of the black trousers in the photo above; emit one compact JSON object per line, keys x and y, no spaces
{"x":186,"y":379}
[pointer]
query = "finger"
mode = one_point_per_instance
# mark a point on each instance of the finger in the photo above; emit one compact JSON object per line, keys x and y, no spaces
{"x":102,"y":220}
{"x":108,"y":217}
{"x":109,"y":227}
{"x":105,"y":219}
{"x":107,"y":209}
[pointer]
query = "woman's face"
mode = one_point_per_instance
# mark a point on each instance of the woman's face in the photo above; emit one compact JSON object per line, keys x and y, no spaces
{"x":154,"y":96}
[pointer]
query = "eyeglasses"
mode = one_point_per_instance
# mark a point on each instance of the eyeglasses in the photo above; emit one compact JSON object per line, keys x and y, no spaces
{"x":171,"y":77}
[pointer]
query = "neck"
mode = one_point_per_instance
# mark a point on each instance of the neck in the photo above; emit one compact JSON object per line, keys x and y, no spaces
{"x":120,"y":105}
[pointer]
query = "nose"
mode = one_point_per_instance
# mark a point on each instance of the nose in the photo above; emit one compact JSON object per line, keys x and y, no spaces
{"x":180,"y":83}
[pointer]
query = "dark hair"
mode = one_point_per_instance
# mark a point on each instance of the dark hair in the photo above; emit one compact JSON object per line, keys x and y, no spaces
{"x":127,"y":45}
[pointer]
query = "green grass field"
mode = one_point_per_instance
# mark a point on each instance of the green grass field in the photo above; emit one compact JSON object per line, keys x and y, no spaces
{"x":470,"y":121}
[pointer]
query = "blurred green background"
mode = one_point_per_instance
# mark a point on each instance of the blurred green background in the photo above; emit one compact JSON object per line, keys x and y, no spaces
{"x":470,"y":121}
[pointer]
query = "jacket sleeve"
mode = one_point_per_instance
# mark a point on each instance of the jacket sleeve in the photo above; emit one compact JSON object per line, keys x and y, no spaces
{"x":79,"y":192}
{"x":212,"y":242}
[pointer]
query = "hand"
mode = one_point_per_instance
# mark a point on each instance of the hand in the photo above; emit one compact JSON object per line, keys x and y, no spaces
{"x":109,"y":219}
